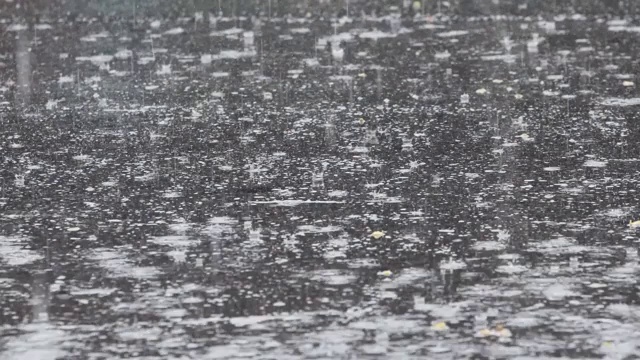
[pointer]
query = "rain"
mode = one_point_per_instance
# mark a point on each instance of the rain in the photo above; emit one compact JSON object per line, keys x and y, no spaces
{"x":319,"y":179}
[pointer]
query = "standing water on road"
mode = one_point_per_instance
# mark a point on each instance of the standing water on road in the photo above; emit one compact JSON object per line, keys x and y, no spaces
{"x":319,"y":179}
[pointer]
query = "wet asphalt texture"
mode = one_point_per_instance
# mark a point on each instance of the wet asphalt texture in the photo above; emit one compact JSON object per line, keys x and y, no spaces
{"x":319,"y":179}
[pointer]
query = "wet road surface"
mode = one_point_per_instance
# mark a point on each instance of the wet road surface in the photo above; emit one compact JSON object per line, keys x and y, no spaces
{"x":394,"y":180}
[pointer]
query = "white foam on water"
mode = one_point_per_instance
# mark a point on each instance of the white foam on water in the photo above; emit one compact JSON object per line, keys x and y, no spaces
{"x":620,"y":102}
{"x":619,"y":28}
{"x":311,"y":62}
{"x":498,"y":351}
{"x":227,"y":55}
{"x":524,"y":321}
{"x":123,"y":54}
{"x":453,"y":33}
{"x":335,"y":254}
{"x":82,"y":157}
{"x":219,"y":225}
{"x":94,"y":37}
{"x":617,"y":22}
{"x":331,"y":343}
{"x":389,"y":324}
{"x":502,"y":235}
{"x":378,"y":197}
{"x":557,"y":292}
{"x":93,"y":292}
{"x":616,"y":213}
{"x":174,"y":31}
{"x":144,"y":60}
{"x":12,"y":252}
{"x":334,"y":39}
{"x":595,"y":163}
{"x":175,"y":241}
{"x":452,"y":265}
{"x":146,"y":177}
{"x":65,"y":79}
{"x":40,"y":341}
{"x":230,"y":351}
{"x":345,"y":78}
{"x":96,"y":59}
{"x":51,"y":104}
{"x":223,"y":220}
{"x":300,"y":30}
{"x":319,"y":229}
{"x":376,"y":34}
{"x":295,"y":202}
{"x":336,"y":248}
{"x":511,"y":269}
{"x":406,"y":277}
{"x":432,"y":26}
{"x":333,"y":277}
{"x":165,"y":69}
{"x":337,"y":193}
{"x":171,"y":195}
{"x":227,"y":32}
{"x":180,"y":228}
{"x":440,"y":311}
{"x":206,"y":59}
{"x":17,"y":27}
{"x":508,"y":58}
{"x":559,"y":245}
{"x":137,"y":332}
{"x":624,"y":273}
{"x":624,"y":310}
{"x":442,"y":55}
{"x":117,"y":265}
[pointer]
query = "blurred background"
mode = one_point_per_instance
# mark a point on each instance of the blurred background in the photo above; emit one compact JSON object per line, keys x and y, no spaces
{"x":176,"y":8}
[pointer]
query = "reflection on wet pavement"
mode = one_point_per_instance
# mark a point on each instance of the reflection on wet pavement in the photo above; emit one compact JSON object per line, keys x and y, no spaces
{"x":287,"y":180}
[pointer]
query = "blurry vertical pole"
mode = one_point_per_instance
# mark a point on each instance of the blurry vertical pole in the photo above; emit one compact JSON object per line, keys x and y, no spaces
{"x":23,"y":69}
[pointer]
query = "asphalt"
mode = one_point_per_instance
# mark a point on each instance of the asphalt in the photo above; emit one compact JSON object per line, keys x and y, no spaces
{"x":319,"y":180}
